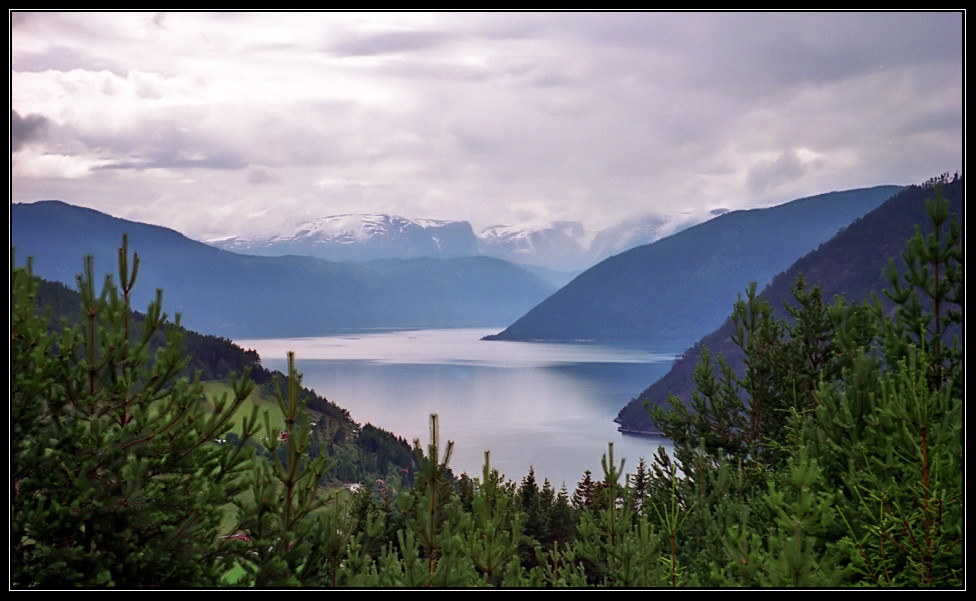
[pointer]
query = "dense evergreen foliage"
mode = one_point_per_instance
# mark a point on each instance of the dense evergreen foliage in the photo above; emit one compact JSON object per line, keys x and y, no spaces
{"x":833,"y":458}
{"x":114,"y":477}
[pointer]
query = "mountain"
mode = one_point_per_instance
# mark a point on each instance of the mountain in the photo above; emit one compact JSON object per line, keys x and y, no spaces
{"x":561,"y":248}
{"x":647,"y":229}
{"x":559,"y":245}
{"x":362,"y":238}
{"x":244,"y":296}
{"x":565,"y":247}
{"x":851,"y":264}
{"x":681,"y":287}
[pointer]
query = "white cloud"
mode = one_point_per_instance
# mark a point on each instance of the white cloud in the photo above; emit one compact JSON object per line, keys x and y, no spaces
{"x":490,"y":117}
{"x":35,"y":165}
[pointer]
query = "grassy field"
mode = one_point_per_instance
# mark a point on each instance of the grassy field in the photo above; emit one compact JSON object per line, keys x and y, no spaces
{"x":264,"y":403}
{"x":213,"y":390}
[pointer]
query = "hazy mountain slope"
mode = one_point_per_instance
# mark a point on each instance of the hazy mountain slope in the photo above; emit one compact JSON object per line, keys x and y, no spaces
{"x":851,"y":263}
{"x":234,"y":295}
{"x":465,"y":290}
{"x":681,"y":287}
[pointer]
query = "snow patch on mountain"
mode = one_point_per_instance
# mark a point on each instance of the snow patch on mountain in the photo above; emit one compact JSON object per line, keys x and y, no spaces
{"x":350,"y":229}
{"x":362,"y":237}
{"x":558,"y":245}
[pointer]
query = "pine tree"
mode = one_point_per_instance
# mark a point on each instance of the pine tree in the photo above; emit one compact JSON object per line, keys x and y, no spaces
{"x":289,"y":546}
{"x":894,"y":424}
{"x":929,"y":305}
{"x":732,"y":415}
{"x":615,"y":549}
{"x":492,"y":542}
{"x":583,"y":496}
{"x":429,"y":548}
{"x":115,"y":476}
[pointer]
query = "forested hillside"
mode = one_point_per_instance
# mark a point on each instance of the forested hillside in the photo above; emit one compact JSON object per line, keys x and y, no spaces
{"x":367,"y":452}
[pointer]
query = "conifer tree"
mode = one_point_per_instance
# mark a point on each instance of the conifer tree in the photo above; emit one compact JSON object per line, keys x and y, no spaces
{"x":929,"y":304}
{"x":115,"y":476}
{"x":492,"y":541}
{"x":617,"y":551}
{"x":583,"y":496}
{"x":803,"y":513}
{"x":893,"y":425}
{"x":288,"y":546}
{"x":429,"y":548}
{"x":732,"y":415}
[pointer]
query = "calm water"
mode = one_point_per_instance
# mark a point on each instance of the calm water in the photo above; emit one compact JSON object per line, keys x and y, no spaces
{"x":548,"y":406}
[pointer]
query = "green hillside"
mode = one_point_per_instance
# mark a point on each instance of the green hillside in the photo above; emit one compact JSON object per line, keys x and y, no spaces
{"x":216,"y":360}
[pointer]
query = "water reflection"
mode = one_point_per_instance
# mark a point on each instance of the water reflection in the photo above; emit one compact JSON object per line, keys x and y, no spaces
{"x":540,"y":405}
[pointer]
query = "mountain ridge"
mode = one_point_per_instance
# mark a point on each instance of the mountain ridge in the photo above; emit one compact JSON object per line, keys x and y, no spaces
{"x":680,"y":287}
{"x":234,"y":295}
{"x":562,"y":246}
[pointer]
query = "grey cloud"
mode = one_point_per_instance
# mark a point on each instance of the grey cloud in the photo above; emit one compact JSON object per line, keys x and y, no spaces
{"x":179,"y":160}
{"x":760,"y":53}
{"x":574,"y":114}
{"x":389,"y":42}
{"x":24,"y":130}
{"x":766,"y":175}
{"x":61,"y":58}
{"x":260,"y":175}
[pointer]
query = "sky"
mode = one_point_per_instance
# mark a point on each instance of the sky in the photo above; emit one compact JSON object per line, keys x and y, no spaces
{"x":219,"y":124}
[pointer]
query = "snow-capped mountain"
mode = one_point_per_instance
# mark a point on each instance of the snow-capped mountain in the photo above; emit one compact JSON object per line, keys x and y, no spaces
{"x":563,"y":246}
{"x":557,"y":245}
{"x":362,"y":238}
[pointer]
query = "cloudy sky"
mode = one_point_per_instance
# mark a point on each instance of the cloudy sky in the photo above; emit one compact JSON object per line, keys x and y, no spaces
{"x":231,"y":123}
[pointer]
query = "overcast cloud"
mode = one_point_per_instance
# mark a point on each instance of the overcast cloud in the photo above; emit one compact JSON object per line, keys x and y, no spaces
{"x":230,"y":123}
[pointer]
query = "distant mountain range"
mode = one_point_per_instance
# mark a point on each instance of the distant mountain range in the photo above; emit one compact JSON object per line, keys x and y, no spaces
{"x":677,"y":287}
{"x":559,"y":246}
{"x":362,"y":238}
{"x":851,"y":264}
{"x":244,"y":296}
{"x":682,"y":286}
